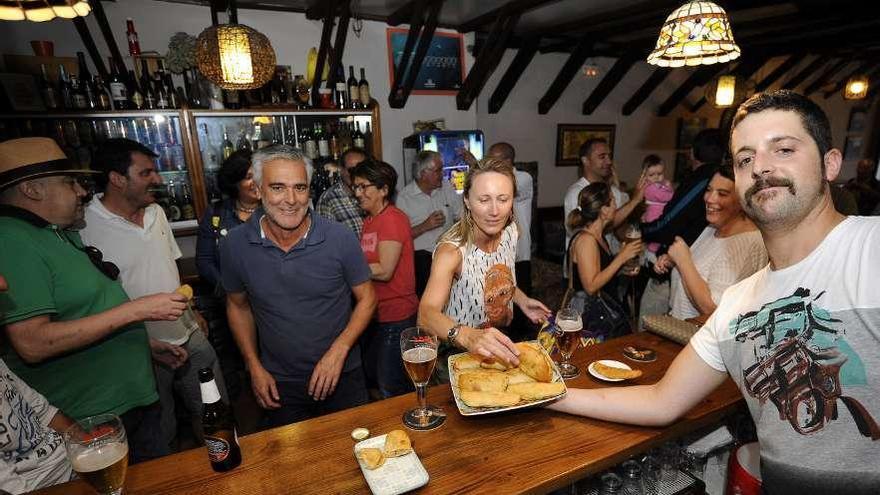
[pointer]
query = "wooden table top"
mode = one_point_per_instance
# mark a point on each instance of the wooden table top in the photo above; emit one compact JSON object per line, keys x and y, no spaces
{"x":525,"y":451}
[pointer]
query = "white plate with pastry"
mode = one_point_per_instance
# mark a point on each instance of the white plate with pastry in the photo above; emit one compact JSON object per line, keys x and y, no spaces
{"x":389,"y":464}
{"x":485,"y":387}
{"x":610,"y":370}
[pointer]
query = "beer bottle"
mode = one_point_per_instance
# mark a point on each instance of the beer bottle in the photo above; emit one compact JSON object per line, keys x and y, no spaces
{"x":219,"y":425}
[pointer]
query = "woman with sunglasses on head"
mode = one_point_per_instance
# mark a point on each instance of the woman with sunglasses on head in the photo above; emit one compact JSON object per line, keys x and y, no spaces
{"x":388,"y":245}
{"x":475,"y":259}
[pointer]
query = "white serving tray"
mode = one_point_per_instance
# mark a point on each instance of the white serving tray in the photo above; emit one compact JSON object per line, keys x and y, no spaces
{"x":397,"y":475}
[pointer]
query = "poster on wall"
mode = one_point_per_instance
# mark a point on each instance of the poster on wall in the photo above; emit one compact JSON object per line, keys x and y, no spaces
{"x":442,"y":70}
{"x":570,"y":137}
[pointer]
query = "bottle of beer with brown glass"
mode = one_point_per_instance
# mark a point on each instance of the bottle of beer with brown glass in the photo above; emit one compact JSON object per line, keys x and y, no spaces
{"x":218,"y":423}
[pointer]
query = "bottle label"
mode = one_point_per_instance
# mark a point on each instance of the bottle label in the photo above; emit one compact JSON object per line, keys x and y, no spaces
{"x":218,"y":448}
{"x":138,"y":100}
{"x":176,"y":214}
{"x":118,"y":91}
{"x":365,"y":95}
{"x":359,"y":142}
{"x":79,"y":101}
{"x":311,"y":149}
{"x":323,"y":148}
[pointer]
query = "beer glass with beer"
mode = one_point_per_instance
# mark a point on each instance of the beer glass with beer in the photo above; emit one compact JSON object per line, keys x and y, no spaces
{"x":569,"y":323}
{"x":98,"y":451}
{"x":419,"y":351}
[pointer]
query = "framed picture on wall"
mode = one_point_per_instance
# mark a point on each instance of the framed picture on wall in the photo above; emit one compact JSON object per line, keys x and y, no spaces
{"x":687,"y":131}
{"x":570,"y":137}
{"x":442,"y":70}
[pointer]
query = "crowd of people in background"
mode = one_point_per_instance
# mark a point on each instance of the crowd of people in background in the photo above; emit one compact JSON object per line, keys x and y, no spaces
{"x":310,"y":295}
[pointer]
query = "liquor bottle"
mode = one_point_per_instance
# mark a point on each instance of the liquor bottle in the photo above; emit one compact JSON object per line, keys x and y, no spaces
{"x":102,"y":95}
{"x":364,"y":90}
{"x":310,"y":145}
{"x":162,"y":102}
{"x":146,"y":85}
{"x":85,"y":82}
{"x":218,"y":423}
{"x":358,"y":138}
{"x":243,"y":141}
{"x":47,"y":90}
{"x":118,"y":89}
{"x":175,"y":212}
{"x":228,"y":149}
{"x":334,"y":143}
{"x":341,"y":91}
{"x":64,"y":89}
{"x":137,"y":96}
{"x":134,"y":46}
{"x":323,"y":141}
{"x":344,"y":132}
{"x":80,"y":102}
{"x":283,"y":90}
{"x":353,"y":90}
{"x":368,"y":139}
{"x":189,"y":213}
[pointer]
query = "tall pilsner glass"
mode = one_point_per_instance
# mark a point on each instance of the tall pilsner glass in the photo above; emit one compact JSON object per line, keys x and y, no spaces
{"x":98,"y":451}
{"x":569,"y":323}
{"x":419,"y":351}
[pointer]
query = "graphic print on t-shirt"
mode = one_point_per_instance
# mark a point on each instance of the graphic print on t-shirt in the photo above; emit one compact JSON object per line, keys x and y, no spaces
{"x":369,"y":242}
{"x":799,"y":354}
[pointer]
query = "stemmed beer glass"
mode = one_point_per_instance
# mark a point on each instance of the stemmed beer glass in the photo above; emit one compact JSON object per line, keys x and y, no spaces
{"x":419,"y":351}
{"x":98,"y":450}
{"x":569,"y":323}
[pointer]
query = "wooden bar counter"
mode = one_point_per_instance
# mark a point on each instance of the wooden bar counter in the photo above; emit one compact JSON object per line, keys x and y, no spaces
{"x":525,"y":451}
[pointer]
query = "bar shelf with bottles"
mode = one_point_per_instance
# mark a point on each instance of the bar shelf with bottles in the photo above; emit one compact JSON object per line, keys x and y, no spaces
{"x":322,"y":134}
{"x":79,"y":134}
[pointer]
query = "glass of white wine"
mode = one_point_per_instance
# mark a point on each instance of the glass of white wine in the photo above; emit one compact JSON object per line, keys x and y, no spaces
{"x":569,"y":323}
{"x":419,"y":351}
{"x":98,"y":450}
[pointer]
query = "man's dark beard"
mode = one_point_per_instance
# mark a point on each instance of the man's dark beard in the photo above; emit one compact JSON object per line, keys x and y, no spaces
{"x":764,"y":183}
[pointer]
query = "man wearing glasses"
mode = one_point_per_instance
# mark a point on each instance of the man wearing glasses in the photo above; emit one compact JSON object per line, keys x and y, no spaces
{"x":290,"y":277}
{"x":75,"y":336}
{"x":432,"y":206}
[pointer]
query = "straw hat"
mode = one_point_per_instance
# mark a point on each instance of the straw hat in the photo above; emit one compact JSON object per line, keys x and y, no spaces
{"x":29,"y":158}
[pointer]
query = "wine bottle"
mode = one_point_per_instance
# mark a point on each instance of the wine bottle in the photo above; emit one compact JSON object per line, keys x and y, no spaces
{"x":102,"y":95}
{"x":341,"y":92}
{"x":85,"y":82}
{"x":311,"y":145}
{"x":368,"y":139}
{"x":353,"y":89}
{"x":134,"y":46}
{"x":161,"y":94}
{"x":173,"y":99}
{"x":149,"y":94}
{"x":118,"y":89}
{"x":228,"y":149}
{"x":64,"y":89}
{"x":137,"y":96}
{"x":364,"y":90}
{"x":358,"y":137}
{"x":47,"y":90}
{"x":78,"y":94}
{"x":323,"y":142}
{"x":189,"y":213}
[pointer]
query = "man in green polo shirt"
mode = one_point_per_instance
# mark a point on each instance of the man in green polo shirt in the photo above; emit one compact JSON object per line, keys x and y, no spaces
{"x":75,"y":336}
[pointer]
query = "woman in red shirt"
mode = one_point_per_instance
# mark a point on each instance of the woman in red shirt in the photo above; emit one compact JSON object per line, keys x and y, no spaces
{"x":387,"y":243}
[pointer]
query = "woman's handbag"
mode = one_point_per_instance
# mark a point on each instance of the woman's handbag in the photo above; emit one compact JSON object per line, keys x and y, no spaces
{"x":603,"y":317}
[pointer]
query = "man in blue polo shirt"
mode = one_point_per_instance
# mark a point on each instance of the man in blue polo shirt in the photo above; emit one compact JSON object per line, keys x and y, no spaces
{"x":290,"y":275}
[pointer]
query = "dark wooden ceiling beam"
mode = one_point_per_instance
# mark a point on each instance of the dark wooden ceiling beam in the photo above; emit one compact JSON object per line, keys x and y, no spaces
{"x":658,"y":76}
{"x":323,"y":50}
{"x":571,"y":67}
{"x":806,"y":72}
{"x":698,"y":78}
{"x":745,"y":69}
{"x":403,"y":14}
{"x":779,"y":71}
{"x":863,"y":68}
{"x":107,"y":32}
{"x":86,"y":36}
{"x":487,"y":59}
{"x":421,"y":30}
{"x":521,"y":61}
{"x":825,"y":77}
{"x":338,"y":51}
{"x":512,"y":7}
{"x":612,"y":77}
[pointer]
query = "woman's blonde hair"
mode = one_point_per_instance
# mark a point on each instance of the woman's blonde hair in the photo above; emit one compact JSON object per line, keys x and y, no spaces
{"x":462,"y":232}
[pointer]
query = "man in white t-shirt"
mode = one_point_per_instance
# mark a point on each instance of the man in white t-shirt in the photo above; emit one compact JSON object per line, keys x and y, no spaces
{"x":801,"y":337}
{"x":596,"y":166}
{"x":132,"y":231}
{"x":432,"y":206}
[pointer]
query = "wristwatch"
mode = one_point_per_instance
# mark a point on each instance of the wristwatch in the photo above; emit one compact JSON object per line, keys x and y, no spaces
{"x":453,"y":333}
